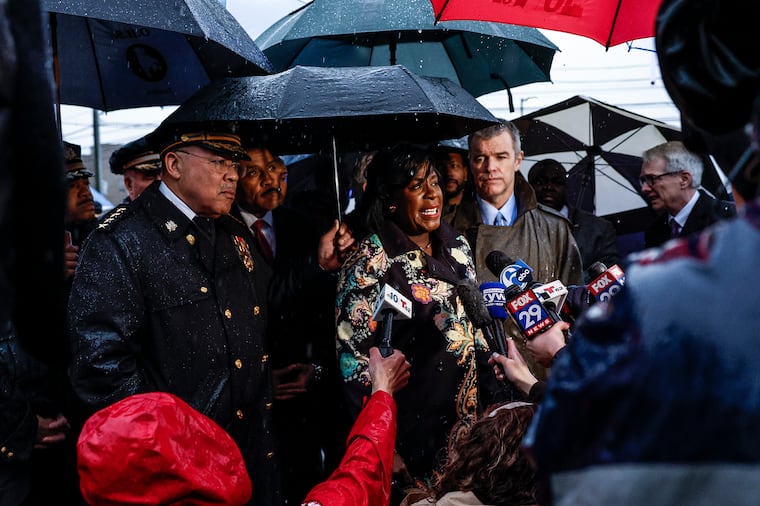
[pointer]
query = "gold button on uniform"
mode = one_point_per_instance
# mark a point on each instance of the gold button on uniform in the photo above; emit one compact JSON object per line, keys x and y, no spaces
{"x":204,"y":289}
{"x":268,"y":406}
{"x":10,"y":455}
{"x":238,"y":363}
{"x":270,"y":455}
{"x":256,"y":310}
{"x":228,"y":313}
{"x":239,"y":413}
{"x":190,"y":238}
{"x":264,"y":359}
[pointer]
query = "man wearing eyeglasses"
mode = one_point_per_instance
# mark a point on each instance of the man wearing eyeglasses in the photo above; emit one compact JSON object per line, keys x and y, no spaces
{"x":670,"y":181}
{"x":170,"y":295}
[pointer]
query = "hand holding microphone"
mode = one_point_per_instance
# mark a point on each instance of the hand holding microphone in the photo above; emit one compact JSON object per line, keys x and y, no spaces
{"x":391,"y":305}
{"x":546,"y":344}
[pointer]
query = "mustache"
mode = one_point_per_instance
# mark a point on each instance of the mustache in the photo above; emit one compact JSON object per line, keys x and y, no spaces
{"x":275,"y":189}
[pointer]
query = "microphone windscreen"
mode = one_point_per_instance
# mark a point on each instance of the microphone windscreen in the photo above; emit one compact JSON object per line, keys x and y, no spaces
{"x":496,"y":261}
{"x":473,"y":304}
{"x":596,"y":269}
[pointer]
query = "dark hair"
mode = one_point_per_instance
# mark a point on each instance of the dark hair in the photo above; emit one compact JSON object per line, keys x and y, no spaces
{"x":489,"y":461}
{"x":547,"y":163}
{"x":388,"y":173}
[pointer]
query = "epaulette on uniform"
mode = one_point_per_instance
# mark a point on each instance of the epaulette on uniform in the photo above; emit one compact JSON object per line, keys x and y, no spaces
{"x":237,"y":219}
{"x":114,"y":215}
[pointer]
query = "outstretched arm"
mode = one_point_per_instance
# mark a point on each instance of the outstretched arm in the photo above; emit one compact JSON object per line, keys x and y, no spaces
{"x":364,"y":473}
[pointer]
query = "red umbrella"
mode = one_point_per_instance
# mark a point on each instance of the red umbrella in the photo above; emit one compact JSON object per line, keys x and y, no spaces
{"x":605,"y":21}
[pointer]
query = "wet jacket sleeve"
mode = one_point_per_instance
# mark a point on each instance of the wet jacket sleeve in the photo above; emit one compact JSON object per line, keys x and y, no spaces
{"x":364,"y":474}
{"x":105,"y":331}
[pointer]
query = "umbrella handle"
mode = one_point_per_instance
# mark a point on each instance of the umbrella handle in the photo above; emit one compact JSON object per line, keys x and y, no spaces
{"x":56,"y":69}
{"x":337,"y":180}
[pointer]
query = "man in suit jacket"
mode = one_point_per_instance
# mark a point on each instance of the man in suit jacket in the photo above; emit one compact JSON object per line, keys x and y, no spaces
{"x":670,"y":181}
{"x":301,"y":331}
{"x":595,"y":236}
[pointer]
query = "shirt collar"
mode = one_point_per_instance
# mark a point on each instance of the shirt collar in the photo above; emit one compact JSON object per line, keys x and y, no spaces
{"x":174,"y":199}
{"x":685,"y":211}
{"x":488,"y":212}
{"x":250,"y":218}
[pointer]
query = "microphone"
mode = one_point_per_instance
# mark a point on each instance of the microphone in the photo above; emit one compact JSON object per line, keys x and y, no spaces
{"x":493,"y":297}
{"x":605,"y":282}
{"x":391,"y":305}
{"x":553,"y":295}
{"x":528,"y":312}
{"x":493,"y":330}
{"x":478,"y":313}
{"x":496,"y":261}
{"x":509,"y":272}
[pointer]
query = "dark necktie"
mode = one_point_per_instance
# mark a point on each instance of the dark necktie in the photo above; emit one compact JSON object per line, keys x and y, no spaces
{"x":264,"y":247}
{"x":675,"y":229}
{"x":206,"y":226}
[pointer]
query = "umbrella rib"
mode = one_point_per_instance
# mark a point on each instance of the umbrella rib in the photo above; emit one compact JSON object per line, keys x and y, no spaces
{"x":440,"y":13}
{"x":97,"y":64}
{"x":630,"y":190}
{"x":612,"y":28}
{"x":622,"y":141}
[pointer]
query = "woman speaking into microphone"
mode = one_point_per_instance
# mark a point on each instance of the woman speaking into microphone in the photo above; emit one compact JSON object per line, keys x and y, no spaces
{"x":421,"y":259}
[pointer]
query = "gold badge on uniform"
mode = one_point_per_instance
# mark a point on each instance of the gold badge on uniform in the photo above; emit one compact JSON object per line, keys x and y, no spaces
{"x":170,"y":226}
{"x":244,"y":252}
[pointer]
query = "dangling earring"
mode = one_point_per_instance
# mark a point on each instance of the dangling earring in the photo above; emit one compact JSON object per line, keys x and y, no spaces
{"x":392,"y":208}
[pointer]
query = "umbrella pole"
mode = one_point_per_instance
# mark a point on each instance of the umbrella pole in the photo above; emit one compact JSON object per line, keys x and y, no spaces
{"x":337,"y":178}
{"x":56,"y":71}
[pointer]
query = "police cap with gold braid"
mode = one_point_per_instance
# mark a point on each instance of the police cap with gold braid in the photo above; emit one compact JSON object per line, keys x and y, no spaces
{"x":138,"y":155}
{"x":72,"y":161}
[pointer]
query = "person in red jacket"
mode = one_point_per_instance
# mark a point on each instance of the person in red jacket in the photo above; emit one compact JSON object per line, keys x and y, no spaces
{"x":364,"y":474}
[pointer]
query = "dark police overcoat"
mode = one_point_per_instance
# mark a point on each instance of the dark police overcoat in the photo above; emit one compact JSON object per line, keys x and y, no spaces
{"x":155,"y":306}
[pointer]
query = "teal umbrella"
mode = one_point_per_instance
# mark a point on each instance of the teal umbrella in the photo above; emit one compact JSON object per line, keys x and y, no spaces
{"x":480,"y":57}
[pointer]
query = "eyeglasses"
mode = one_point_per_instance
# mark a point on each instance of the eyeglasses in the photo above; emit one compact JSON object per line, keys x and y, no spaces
{"x":650,"y":179}
{"x":221,"y":165}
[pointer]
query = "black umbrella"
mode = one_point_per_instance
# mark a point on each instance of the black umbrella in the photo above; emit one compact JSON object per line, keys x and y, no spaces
{"x":306,"y":109}
{"x":321,"y":109}
{"x":481,"y":57}
{"x":111,"y":55}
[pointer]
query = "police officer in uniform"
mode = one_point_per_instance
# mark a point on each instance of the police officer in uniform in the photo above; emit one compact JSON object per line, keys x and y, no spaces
{"x":171,"y":296}
{"x":139,"y":163}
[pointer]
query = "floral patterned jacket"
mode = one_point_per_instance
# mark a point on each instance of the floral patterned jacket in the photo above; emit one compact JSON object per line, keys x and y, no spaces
{"x":439,"y":341}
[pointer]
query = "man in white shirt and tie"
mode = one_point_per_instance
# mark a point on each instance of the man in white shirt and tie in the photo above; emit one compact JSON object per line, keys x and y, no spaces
{"x":670,"y":181}
{"x":506,"y":217}
{"x":301,"y":326}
